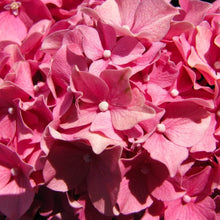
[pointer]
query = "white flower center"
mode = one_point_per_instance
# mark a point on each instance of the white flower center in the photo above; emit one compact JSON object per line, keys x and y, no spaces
{"x":36,"y":88}
{"x":107,"y":53}
{"x":174,"y":92}
{"x":161,"y":128}
{"x":68,"y":89}
{"x":187,"y":199}
{"x":13,"y":6}
{"x":126,"y":27}
{"x":217,"y":65}
{"x":103,"y":106}
{"x":14,"y":171}
{"x":11,"y":111}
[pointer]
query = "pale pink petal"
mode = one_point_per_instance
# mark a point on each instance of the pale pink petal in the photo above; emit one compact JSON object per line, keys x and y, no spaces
{"x":109,"y":12}
{"x":91,"y":42}
{"x":152,"y":19}
{"x":15,"y":198}
{"x":202,"y":210}
{"x":203,"y":40}
{"x":124,"y":119}
{"x":12,"y":28}
{"x":98,"y":66}
{"x":103,"y":124}
{"x":166,"y":192}
{"x":195,"y":10}
{"x":127,"y":9}
{"x":208,"y":142}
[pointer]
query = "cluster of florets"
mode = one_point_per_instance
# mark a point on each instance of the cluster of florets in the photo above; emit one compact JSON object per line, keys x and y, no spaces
{"x":109,"y":109}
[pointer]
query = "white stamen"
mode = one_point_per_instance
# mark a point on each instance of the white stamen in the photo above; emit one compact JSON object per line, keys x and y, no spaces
{"x":217,"y":65}
{"x":126,"y":27}
{"x":148,"y":78}
{"x":174,"y":92}
{"x":76,"y":68}
{"x":187,"y":199}
{"x":14,"y":171}
{"x":107,"y":53}
{"x":11,"y":111}
{"x":68,"y":89}
{"x":115,"y":211}
{"x":161,"y":128}
{"x":87,"y":158}
{"x":103,"y":106}
{"x":36,"y":88}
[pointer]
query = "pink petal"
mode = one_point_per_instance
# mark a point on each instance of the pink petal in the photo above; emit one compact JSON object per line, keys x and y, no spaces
{"x":98,"y":66}
{"x":15,"y":198}
{"x":195,"y":10}
{"x":186,"y":123}
{"x":124,"y":119}
{"x":5,"y":176}
{"x":94,"y":89}
{"x":119,"y":86}
{"x":22,"y":77}
{"x":62,"y":156}
{"x":103,"y":123}
{"x":208,"y":142}
{"x":166,"y":192}
{"x":202,"y":210}
{"x":126,"y":50}
{"x":165,"y":151}
{"x":104,"y":180}
{"x":203,"y":40}
{"x":91,"y":42}
{"x":109,"y":12}
{"x":53,"y":41}
{"x":107,"y":35}
{"x":152,"y":19}
{"x":12,"y":28}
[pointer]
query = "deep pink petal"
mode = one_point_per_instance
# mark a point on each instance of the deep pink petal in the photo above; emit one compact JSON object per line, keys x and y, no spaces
{"x":104,"y":180}
{"x":119,"y":86}
{"x":107,"y":35}
{"x":61,"y":158}
{"x":93,"y":88}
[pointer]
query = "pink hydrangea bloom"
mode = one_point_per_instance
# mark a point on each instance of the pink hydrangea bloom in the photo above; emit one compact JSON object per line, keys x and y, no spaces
{"x":109,"y":109}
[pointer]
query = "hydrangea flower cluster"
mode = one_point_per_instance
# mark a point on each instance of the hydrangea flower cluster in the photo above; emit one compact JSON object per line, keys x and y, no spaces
{"x":109,"y":109}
